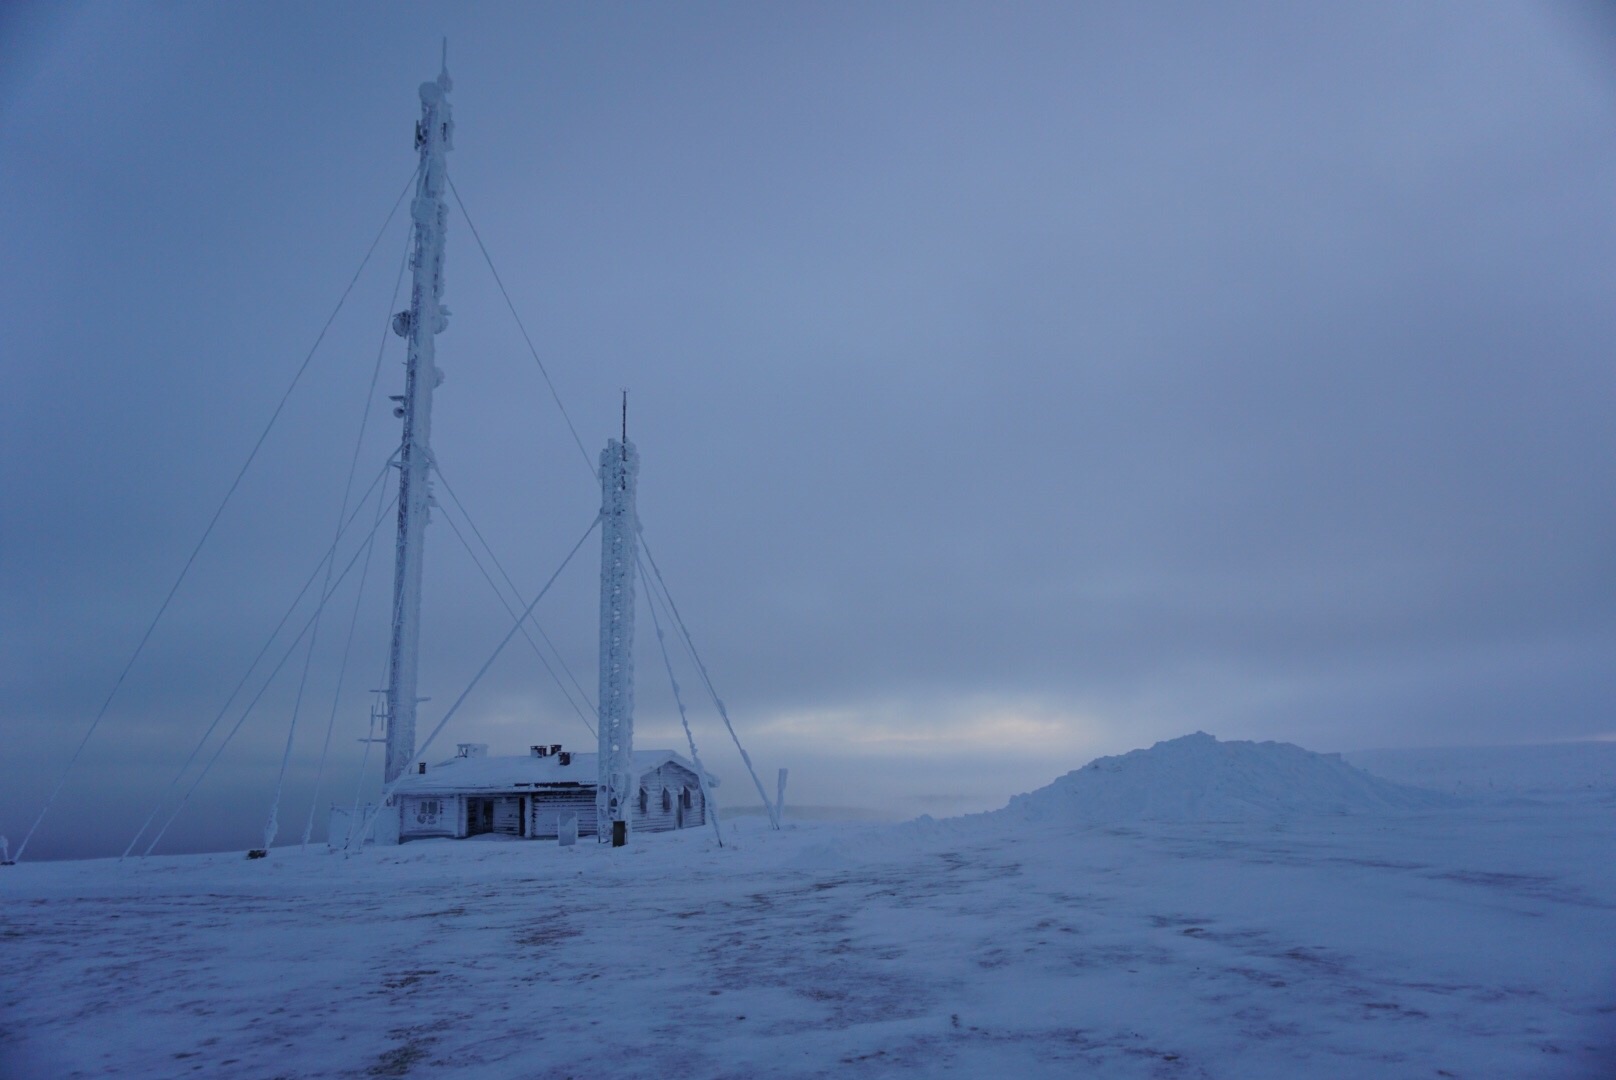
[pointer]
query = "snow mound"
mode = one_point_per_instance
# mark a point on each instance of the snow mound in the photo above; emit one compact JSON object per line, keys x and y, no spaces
{"x":1198,"y":778}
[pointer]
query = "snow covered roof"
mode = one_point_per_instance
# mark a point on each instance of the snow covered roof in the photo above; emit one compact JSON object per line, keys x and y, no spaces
{"x":527,"y":771}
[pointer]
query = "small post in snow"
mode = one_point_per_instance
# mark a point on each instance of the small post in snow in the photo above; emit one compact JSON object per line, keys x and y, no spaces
{"x":780,"y":798}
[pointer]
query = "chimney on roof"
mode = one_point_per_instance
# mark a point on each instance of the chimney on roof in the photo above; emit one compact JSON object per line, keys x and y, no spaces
{"x":565,"y":756}
{"x":420,"y":767}
{"x":539,"y":751}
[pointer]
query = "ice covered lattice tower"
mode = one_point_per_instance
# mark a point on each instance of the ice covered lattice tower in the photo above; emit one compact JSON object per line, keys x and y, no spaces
{"x":419,"y":326}
{"x":619,"y":544}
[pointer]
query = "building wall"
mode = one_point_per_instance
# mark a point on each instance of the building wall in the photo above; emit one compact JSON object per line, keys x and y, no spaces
{"x":508,"y":815}
{"x":431,"y":815}
{"x":674,"y":780}
{"x":546,"y":807}
{"x":544,"y":810}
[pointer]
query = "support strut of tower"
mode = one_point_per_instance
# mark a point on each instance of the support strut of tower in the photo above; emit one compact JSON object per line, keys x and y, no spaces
{"x":614,"y":795}
{"x":420,"y":325}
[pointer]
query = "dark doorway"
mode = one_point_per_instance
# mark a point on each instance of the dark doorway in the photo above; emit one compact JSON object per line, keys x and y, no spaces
{"x":479,"y":816}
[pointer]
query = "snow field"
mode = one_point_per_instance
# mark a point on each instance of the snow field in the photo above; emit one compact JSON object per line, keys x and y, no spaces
{"x":1471,"y":941}
{"x":1197,"y":909}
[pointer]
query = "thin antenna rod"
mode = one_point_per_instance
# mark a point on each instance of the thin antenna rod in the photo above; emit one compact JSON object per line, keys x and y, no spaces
{"x":625,"y":419}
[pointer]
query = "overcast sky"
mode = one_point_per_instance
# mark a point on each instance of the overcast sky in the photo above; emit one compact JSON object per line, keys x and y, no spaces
{"x":1014,"y":383}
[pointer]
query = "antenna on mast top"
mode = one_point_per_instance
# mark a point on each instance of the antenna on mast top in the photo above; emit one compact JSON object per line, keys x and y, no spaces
{"x":625,"y":421}
{"x":443,"y":69}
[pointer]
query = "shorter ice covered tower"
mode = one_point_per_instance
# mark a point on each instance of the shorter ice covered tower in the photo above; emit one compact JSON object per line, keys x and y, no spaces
{"x":619,"y":468}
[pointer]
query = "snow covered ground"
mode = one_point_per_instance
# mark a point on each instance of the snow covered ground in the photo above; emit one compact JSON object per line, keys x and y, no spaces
{"x":1499,"y":770}
{"x":1467,"y":939}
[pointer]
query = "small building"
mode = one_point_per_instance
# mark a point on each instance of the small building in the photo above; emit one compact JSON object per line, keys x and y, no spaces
{"x":472,"y":793}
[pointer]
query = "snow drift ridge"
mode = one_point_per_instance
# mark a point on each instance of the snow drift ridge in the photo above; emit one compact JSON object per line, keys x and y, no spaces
{"x":1198,"y":778}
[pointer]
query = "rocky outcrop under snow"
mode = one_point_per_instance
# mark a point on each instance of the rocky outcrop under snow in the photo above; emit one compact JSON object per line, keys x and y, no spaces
{"x":1198,"y":778}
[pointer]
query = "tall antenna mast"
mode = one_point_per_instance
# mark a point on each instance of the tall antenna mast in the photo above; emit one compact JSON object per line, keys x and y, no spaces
{"x":420,"y":326}
{"x":617,"y":786}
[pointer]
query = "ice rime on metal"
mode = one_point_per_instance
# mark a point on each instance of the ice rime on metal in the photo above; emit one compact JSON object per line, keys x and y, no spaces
{"x":619,"y":543}
{"x":420,"y":325}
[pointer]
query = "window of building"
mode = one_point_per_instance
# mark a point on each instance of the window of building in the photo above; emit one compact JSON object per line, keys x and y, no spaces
{"x":684,"y":797}
{"x":645,"y":801}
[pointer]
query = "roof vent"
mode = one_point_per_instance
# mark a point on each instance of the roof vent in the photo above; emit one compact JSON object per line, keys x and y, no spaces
{"x":471,"y":749}
{"x":539,"y":751}
{"x":565,"y":756}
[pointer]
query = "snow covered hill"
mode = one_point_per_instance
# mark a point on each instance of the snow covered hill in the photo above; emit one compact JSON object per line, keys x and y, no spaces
{"x":1198,"y":778}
